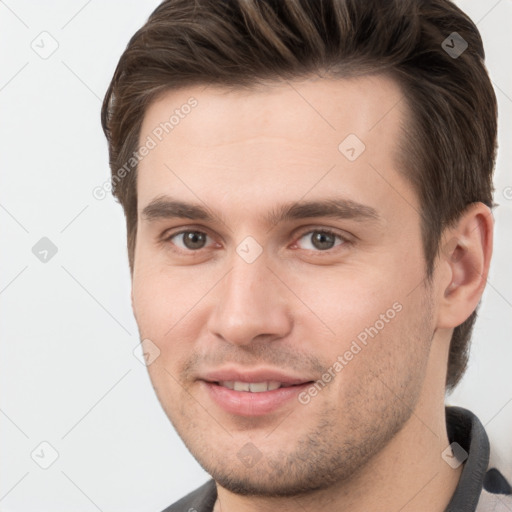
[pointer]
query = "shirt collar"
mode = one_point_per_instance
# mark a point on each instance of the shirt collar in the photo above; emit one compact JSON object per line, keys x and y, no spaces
{"x":464,"y":428}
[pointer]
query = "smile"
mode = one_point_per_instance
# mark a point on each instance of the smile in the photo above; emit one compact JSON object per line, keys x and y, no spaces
{"x":252,"y":387}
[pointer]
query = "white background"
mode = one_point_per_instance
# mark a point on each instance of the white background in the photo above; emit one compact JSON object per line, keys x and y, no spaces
{"x":68,"y":375}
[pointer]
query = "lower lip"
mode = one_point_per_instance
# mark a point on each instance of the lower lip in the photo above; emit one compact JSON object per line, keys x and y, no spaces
{"x":245,"y":403}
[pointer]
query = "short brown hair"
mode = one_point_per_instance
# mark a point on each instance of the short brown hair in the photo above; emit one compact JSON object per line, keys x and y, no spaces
{"x":449,"y":149}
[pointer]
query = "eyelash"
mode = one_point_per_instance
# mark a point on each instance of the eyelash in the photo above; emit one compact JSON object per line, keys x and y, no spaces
{"x":344,"y":240}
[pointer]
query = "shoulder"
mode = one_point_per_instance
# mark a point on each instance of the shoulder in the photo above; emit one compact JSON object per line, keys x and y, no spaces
{"x":497,"y":491}
{"x":492,"y":502}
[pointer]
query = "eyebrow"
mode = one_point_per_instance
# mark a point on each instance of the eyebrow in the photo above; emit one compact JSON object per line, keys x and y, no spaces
{"x":165,"y":207}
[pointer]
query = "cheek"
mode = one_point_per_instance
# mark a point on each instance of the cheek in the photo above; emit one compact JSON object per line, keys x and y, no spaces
{"x":348,"y":302}
{"x":168,"y":306}
{"x":367,"y":320}
{"x":160,"y":297}
{"x":384,"y":364}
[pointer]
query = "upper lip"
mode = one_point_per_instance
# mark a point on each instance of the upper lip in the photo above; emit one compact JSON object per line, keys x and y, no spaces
{"x":252,"y":375}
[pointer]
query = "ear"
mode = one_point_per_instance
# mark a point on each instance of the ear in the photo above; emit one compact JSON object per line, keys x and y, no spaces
{"x":463,"y":265}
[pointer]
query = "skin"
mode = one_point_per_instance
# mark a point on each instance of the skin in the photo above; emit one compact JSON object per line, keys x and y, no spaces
{"x":373,"y":437}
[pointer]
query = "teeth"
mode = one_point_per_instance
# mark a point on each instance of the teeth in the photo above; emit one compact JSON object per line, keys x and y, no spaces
{"x":274,"y":385}
{"x":241,"y":386}
{"x":258,"y":387}
{"x":252,"y":387}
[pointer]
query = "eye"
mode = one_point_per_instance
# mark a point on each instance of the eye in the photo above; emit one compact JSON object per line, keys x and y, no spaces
{"x":321,"y":240}
{"x":188,"y":240}
{"x":318,"y":240}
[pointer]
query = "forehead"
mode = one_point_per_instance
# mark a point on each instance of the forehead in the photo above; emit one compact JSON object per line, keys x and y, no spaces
{"x":312,"y":108}
{"x":276,"y":142}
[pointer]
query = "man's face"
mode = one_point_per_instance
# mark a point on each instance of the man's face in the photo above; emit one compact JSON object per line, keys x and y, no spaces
{"x":250,"y":307}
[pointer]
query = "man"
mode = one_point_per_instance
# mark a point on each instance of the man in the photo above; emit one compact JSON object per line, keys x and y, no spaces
{"x":308,"y":190}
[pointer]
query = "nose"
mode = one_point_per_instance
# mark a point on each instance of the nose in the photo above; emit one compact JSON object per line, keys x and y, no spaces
{"x":251,"y":305}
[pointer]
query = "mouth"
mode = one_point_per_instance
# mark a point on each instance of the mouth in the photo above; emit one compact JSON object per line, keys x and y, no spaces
{"x":255,"y":387}
{"x":243,"y":394}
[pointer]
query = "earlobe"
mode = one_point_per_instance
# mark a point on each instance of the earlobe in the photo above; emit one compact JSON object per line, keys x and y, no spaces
{"x":465,"y":258}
